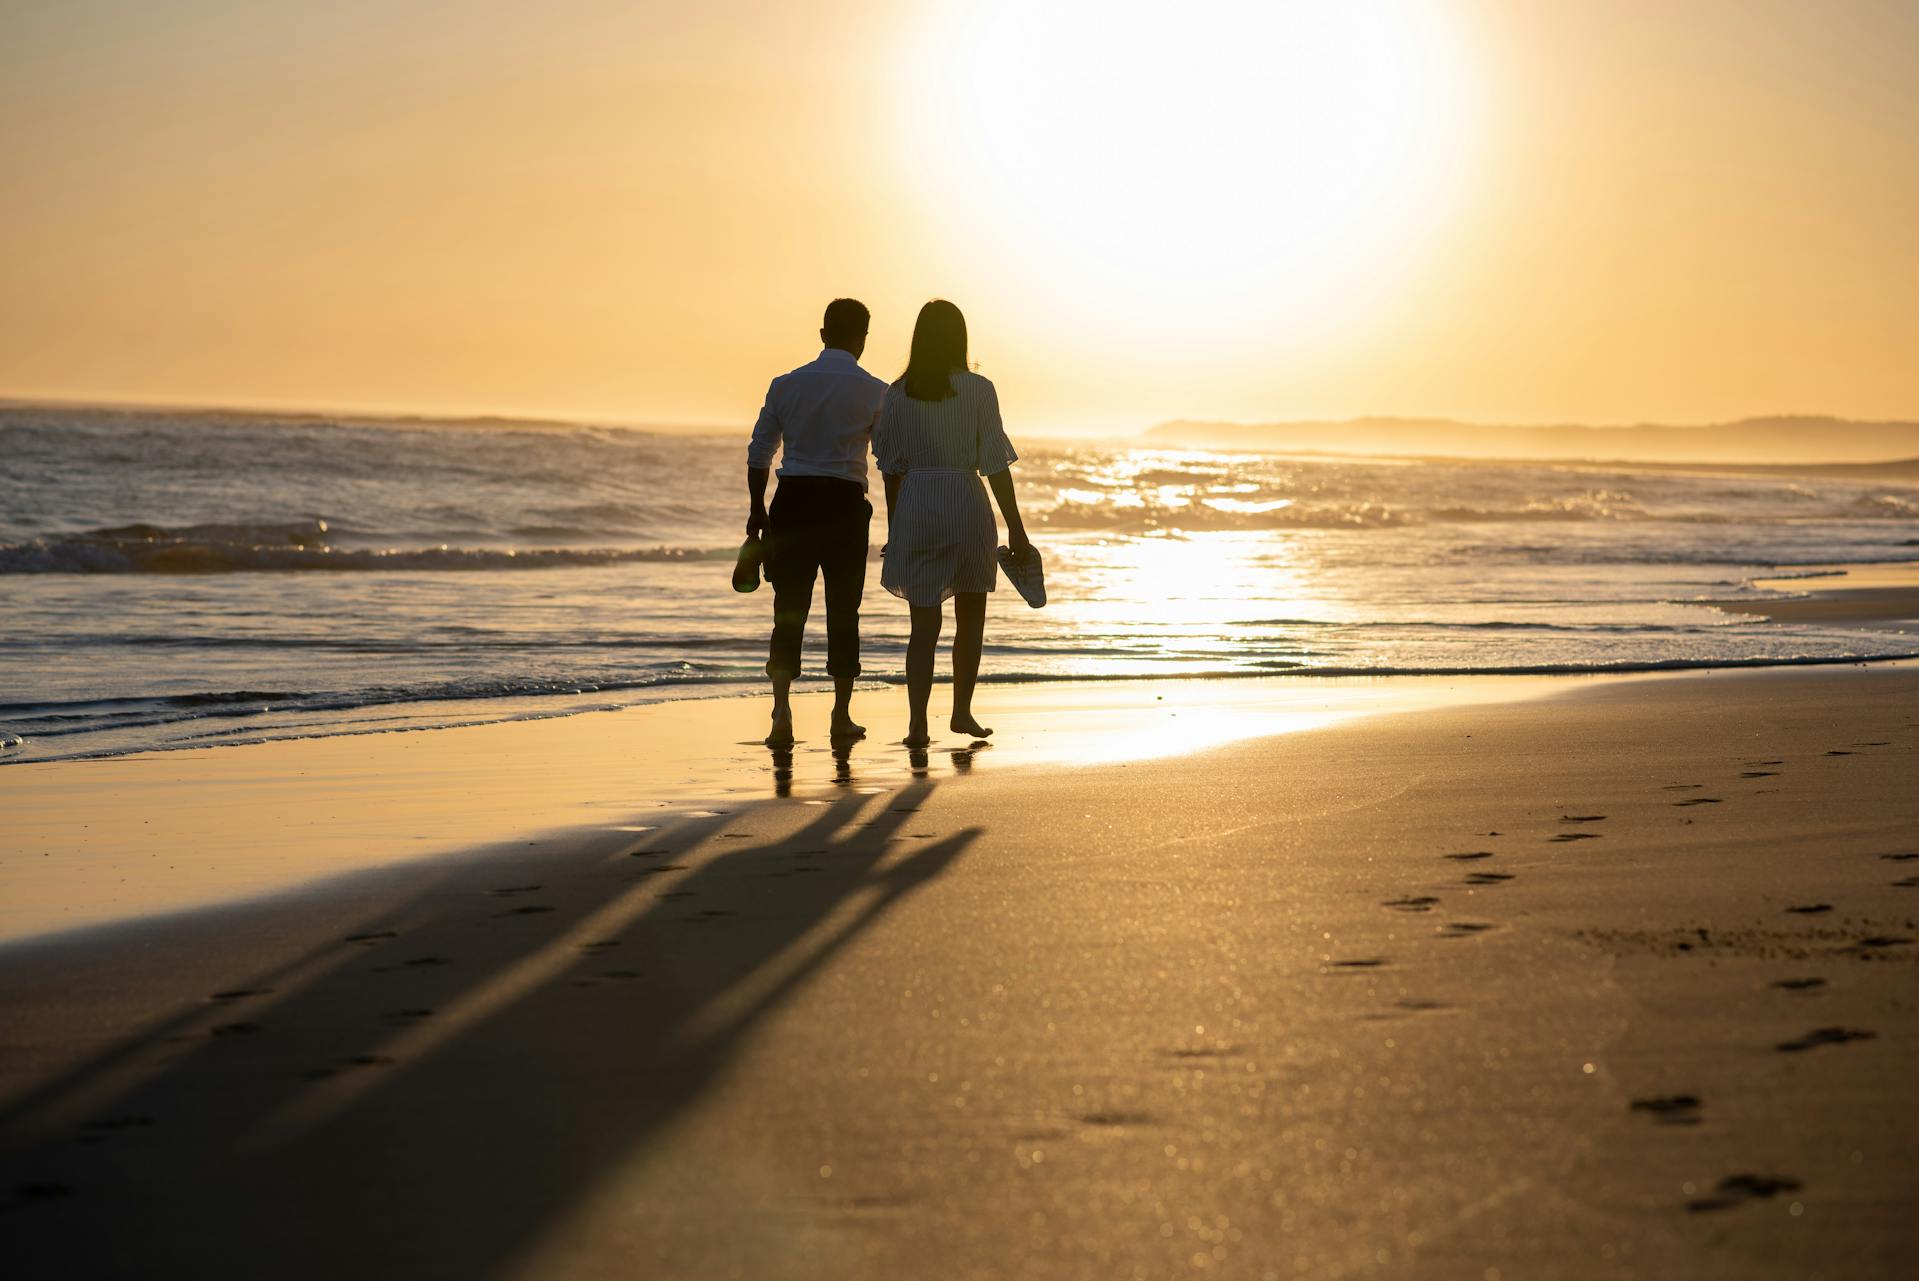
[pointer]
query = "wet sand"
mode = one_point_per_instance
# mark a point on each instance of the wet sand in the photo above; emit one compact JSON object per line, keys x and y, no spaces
{"x":1617,"y":982}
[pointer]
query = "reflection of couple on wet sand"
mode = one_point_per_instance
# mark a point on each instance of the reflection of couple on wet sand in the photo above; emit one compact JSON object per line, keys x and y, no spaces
{"x":935,"y":433}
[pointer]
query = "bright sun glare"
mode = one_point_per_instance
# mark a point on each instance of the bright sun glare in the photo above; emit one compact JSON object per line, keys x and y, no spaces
{"x":1245,"y":157}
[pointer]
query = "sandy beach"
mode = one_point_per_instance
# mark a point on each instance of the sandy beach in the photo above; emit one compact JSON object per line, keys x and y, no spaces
{"x":1566,"y":978}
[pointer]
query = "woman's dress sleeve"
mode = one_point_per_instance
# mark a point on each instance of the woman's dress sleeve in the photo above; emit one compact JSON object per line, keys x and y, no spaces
{"x":995,"y":452}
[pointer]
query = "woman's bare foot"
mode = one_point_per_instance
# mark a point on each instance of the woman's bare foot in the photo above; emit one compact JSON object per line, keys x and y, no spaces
{"x":916,"y":735}
{"x":970,"y":727}
{"x":845,"y":731}
{"x":782,"y":732}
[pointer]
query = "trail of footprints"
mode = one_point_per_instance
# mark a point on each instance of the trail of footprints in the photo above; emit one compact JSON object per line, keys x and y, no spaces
{"x":1680,"y":1109}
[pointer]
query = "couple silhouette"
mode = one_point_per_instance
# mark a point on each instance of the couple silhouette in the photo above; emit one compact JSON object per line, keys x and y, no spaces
{"x":936,"y":436}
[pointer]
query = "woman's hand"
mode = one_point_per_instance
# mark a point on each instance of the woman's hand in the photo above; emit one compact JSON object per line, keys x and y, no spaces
{"x":1018,"y":545}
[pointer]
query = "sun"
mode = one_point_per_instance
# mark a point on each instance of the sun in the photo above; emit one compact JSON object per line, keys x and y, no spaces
{"x":1235,"y":156}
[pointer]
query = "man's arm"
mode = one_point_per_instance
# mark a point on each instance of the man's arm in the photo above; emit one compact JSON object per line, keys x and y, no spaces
{"x":759,"y":462}
{"x":756,"y":493}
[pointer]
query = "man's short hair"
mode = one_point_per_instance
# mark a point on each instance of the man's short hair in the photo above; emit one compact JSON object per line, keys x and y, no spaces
{"x":846,"y":319}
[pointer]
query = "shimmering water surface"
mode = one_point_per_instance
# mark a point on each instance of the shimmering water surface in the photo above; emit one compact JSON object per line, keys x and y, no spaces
{"x":175,"y":580}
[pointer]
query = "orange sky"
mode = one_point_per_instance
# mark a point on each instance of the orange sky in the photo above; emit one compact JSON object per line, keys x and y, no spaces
{"x":1617,"y":209}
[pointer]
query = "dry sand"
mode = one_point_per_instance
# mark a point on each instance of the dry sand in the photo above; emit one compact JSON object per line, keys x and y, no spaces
{"x":1618,"y":982}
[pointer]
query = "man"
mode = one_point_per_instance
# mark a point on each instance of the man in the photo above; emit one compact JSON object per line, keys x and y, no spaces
{"x":822,"y":414}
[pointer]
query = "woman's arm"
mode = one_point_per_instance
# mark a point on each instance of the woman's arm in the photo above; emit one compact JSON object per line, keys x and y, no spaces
{"x":892,"y":495}
{"x":1002,"y":486}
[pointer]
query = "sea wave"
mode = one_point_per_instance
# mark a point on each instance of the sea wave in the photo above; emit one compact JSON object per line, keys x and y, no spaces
{"x":296,"y":545}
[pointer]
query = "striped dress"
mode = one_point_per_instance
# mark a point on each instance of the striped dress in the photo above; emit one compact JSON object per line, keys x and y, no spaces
{"x":942,"y":537}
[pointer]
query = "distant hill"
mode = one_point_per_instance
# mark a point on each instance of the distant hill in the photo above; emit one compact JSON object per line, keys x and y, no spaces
{"x":1751,"y":440}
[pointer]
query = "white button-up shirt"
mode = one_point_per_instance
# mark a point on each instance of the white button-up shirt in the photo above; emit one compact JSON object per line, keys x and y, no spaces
{"x":824,"y":412}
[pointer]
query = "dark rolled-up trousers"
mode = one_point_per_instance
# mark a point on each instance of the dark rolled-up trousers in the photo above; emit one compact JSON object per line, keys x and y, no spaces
{"x":816,"y":527}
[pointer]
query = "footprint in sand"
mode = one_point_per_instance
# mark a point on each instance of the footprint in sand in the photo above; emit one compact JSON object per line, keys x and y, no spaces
{"x":1488,"y":878}
{"x":1576,"y":836}
{"x":115,"y":1124}
{"x":531,"y":909}
{"x":1420,"y":1005}
{"x":1360,"y":963}
{"x":1738,"y":1189}
{"x":241,"y":993}
{"x":425,"y":962}
{"x":599,"y":945}
{"x":1699,"y":800}
{"x":1756,"y":764}
{"x":1799,"y":985}
{"x":1872,"y":942}
{"x":1468,"y":856}
{"x":1824,"y":1036}
{"x":1904,"y":856}
{"x":1412,"y":903}
{"x":507,"y":891}
{"x":405,"y":1018}
{"x":1682,"y":787}
{"x":662,"y":867}
{"x":677,"y":894}
{"x":1671,"y":1109}
{"x":1906,"y":883}
{"x":1810,"y":909}
{"x":1582,"y":818}
{"x":1113,"y":1119}
{"x":347,"y":1065}
{"x":41,"y":1191}
{"x":373,"y":936}
{"x":1463,"y":929}
{"x":647,"y":853}
{"x":1760,"y":773}
{"x":1839,"y":753}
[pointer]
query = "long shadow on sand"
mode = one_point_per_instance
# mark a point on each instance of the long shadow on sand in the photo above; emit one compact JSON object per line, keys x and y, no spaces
{"x":468,"y":1068}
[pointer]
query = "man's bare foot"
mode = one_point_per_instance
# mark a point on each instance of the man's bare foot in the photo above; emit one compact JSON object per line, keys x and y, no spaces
{"x":916,"y":735}
{"x":845,"y":731}
{"x":968,"y":726}
{"x":782,"y":732}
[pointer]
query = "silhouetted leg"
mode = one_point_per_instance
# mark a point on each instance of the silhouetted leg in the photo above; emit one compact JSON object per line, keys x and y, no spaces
{"x":920,"y":645}
{"x":792,"y":565}
{"x":969,"y":637}
{"x":843,"y":564}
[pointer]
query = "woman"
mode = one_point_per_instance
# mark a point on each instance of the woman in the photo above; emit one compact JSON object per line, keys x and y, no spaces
{"x":938,"y":433}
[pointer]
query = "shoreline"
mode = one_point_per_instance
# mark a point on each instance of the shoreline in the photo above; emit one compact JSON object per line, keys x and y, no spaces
{"x":84,"y":728}
{"x":1871,"y":596}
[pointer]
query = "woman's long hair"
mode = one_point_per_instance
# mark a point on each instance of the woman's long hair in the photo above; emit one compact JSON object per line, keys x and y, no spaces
{"x":939,"y":351}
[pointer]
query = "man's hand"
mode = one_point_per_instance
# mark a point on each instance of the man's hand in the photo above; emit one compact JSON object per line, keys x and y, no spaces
{"x":756,"y":523}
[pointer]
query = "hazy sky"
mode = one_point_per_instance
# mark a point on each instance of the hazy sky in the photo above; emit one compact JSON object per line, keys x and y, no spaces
{"x":1512,"y":210}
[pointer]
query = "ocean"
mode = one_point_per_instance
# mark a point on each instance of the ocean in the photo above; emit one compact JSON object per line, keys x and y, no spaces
{"x":174,"y":580}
